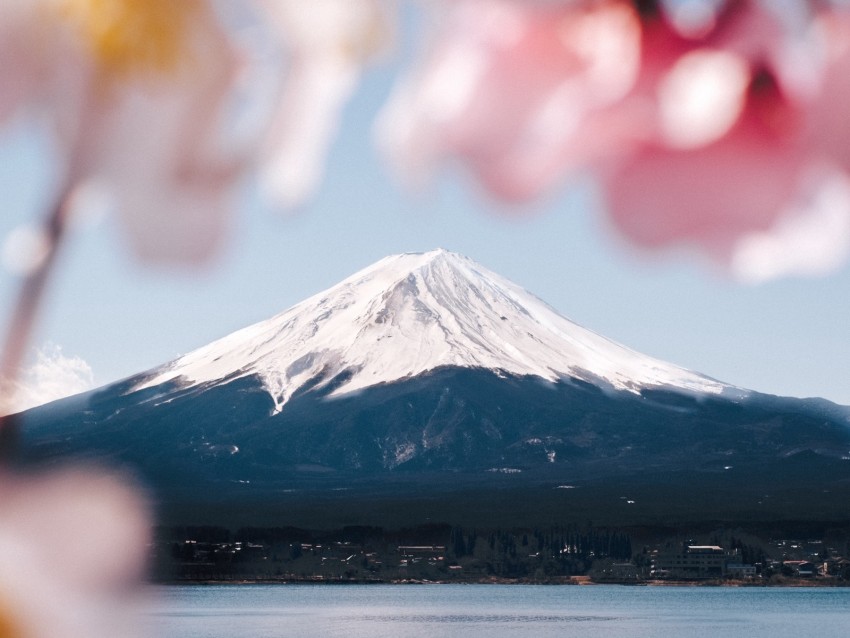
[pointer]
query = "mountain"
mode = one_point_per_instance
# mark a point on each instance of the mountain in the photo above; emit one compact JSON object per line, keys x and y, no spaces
{"x":428,"y":377}
{"x":408,"y":315}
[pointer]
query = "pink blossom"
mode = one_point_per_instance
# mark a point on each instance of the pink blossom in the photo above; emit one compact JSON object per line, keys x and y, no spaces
{"x":730,"y":163}
{"x":136,"y":102}
{"x":827,"y":117}
{"x":74,"y":547}
{"x":721,"y":153}
{"x":141,"y":96}
{"x":158,"y":144}
{"x":515,"y":90}
{"x":711,"y":124}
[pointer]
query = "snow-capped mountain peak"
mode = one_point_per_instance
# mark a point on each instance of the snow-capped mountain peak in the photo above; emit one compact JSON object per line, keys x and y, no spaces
{"x":411,"y":313}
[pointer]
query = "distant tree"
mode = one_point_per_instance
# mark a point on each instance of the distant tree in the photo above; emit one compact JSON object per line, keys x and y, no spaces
{"x":470,"y":543}
{"x":457,"y":543}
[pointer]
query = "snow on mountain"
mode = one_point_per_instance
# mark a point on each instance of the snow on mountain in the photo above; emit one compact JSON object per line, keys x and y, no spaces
{"x":411,"y":313}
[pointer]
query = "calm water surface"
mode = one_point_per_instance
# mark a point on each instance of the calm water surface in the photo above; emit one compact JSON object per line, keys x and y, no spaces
{"x":497,"y":611}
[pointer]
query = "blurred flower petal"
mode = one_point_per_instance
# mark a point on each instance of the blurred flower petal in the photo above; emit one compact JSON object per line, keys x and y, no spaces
{"x":704,"y":118}
{"x":157,"y":143}
{"x":316,"y":91}
{"x":327,"y":42}
{"x":73,"y":545}
{"x":828,"y":116}
{"x":140,"y":93}
{"x":17,"y":77}
{"x":708,"y":196}
{"x":812,"y":238}
{"x":137,"y":93}
{"x":506,"y":87}
{"x":662,"y":197}
{"x":729,"y":169}
{"x":24,"y":249}
{"x":702,"y":96}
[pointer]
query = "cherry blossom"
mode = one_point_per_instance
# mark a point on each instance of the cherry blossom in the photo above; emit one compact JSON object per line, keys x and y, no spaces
{"x":720,"y":155}
{"x":711,"y":124}
{"x":133,"y":92}
{"x":140,"y":96}
{"x":728,"y":164}
{"x":327,"y":45}
{"x":74,"y":546}
{"x":516,"y":90}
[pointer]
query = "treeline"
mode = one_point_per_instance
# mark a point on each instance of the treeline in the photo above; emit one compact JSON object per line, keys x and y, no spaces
{"x":588,"y":543}
{"x":365,"y":553}
{"x":539,"y":554}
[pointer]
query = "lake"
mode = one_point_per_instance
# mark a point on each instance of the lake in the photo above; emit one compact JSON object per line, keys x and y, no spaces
{"x":496,"y":611}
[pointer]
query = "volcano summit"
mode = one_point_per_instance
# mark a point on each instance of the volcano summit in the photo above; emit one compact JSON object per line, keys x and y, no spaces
{"x":410,"y":314}
{"x":428,"y":374}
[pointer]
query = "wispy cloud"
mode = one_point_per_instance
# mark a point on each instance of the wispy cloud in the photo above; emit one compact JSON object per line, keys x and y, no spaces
{"x":52,"y":376}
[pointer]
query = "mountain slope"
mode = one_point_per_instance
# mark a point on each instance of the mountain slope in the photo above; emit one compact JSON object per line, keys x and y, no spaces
{"x":411,"y":313}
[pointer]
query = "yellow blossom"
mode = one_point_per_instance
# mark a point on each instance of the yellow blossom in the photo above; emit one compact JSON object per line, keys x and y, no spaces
{"x":127,"y":36}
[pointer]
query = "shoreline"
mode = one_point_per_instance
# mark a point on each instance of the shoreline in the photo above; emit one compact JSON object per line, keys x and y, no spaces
{"x":573,"y":581}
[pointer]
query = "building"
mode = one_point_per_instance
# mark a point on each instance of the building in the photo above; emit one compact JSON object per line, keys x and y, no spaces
{"x":740,"y":570}
{"x":800,"y":568}
{"x":691,"y":562}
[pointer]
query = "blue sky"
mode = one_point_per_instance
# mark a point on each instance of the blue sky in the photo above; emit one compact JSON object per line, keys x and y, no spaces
{"x":788,"y":337}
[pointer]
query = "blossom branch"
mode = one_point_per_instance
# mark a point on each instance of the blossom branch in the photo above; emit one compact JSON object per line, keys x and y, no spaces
{"x":22,"y":322}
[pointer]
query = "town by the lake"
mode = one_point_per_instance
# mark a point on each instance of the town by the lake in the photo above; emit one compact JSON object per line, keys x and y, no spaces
{"x":446,"y":554}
